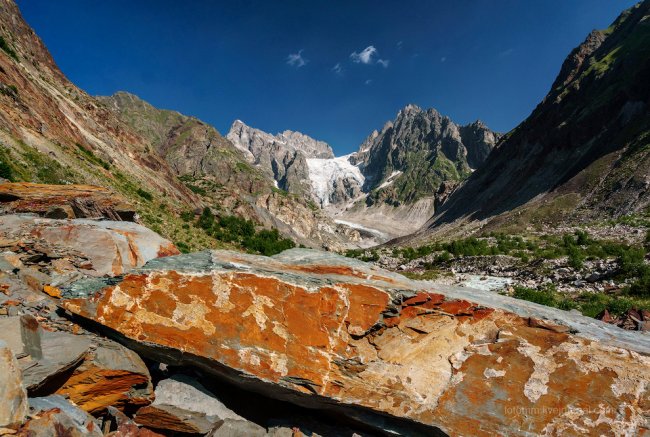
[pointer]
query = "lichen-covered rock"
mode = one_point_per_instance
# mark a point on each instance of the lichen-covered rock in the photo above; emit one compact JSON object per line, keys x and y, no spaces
{"x":327,"y":332}
{"x":13,"y":398}
{"x":97,"y":248}
{"x":110,"y":375}
{"x":63,"y":201}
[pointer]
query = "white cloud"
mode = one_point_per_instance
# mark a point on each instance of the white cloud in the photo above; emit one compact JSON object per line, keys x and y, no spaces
{"x":337,"y":68}
{"x":296,"y":60}
{"x":368,"y":82}
{"x":365,"y":57}
{"x":383,"y":62}
{"x":399,"y":45}
{"x":443,"y":59}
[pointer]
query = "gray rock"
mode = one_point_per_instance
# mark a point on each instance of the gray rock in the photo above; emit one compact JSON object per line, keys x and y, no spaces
{"x":186,"y":392}
{"x":60,"y":352}
{"x":237,"y":428}
{"x":593,"y":277}
{"x":182,"y":404}
{"x":13,"y":398}
{"x":62,"y":416}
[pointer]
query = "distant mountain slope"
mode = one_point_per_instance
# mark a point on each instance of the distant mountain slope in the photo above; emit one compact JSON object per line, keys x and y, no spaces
{"x":583,"y":153}
{"x":190,"y":146}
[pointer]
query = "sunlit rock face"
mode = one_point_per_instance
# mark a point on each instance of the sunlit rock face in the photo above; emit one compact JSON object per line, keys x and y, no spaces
{"x":332,"y":333}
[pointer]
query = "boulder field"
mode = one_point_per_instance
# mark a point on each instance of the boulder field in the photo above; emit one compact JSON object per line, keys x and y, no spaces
{"x":331,"y":333}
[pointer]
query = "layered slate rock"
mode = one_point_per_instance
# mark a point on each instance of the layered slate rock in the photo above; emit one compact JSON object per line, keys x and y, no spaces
{"x":111,"y":375}
{"x":13,"y":398}
{"x":97,"y":248}
{"x":327,"y":332}
{"x":64,"y":201}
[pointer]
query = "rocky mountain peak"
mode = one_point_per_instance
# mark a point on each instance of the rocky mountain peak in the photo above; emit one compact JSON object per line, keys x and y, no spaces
{"x":409,"y":110}
{"x":392,"y":160}
{"x":310,"y":147}
{"x":252,"y":140}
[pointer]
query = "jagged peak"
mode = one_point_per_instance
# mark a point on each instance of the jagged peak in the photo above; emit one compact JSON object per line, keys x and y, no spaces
{"x":476,"y":123}
{"x":410,"y":109}
{"x":238,"y":124}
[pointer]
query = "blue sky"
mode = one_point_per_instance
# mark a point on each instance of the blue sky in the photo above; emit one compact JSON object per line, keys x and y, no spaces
{"x":273,"y":64}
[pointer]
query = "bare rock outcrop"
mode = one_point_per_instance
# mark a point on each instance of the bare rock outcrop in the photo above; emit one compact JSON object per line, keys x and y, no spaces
{"x":331,"y":333}
{"x":95,"y":247}
{"x":282,"y":156}
{"x":64,"y":201}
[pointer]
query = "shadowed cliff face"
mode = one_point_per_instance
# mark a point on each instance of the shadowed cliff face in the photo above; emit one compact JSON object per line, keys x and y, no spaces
{"x":584,"y":149}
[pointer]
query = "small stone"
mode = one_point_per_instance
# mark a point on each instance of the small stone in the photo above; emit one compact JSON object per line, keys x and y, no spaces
{"x":52,"y":291}
{"x":237,"y":428}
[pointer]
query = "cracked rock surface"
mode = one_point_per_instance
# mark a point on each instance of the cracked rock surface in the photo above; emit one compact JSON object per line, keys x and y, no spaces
{"x":328,"y":332}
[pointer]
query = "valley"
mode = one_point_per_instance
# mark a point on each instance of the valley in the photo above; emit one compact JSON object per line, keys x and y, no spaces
{"x":159,"y":278}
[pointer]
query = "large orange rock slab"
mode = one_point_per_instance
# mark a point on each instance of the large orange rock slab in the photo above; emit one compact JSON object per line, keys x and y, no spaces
{"x":328,"y":332}
{"x":63,"y":201}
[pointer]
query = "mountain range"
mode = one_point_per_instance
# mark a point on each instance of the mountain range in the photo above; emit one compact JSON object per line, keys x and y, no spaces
{"x":581,"y":155}
{"x":395,"y":176}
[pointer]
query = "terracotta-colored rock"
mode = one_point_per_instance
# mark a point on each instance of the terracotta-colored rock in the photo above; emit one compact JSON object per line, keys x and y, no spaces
{"x":63,"y":201}
{"x":52,"y":291}
{"x":111,"y":375}
{"x":126,"y":427}
{"x":13,"y":398}
{"x":97,"y":248}
{"x":174,"y":419}
{"x":309,"y":327}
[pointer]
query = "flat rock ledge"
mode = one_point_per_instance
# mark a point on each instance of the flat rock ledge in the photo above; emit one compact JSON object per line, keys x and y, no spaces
{"x":401,"y":356}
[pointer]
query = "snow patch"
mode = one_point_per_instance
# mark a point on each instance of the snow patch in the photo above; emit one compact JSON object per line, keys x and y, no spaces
{"x":390,"y":179}
{"x":324,"y":173}
{"x":374,"y":232}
